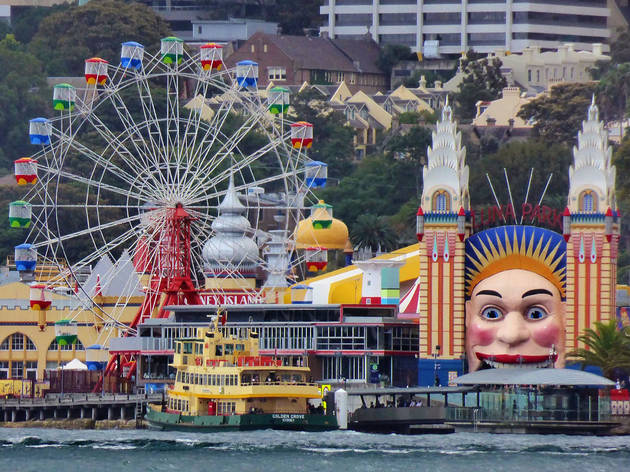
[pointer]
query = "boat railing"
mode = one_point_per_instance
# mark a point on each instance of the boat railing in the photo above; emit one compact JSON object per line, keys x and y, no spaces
{"x":284,"y":383}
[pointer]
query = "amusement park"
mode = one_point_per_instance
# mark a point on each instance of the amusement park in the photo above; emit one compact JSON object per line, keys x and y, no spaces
{"x":175,"y":244}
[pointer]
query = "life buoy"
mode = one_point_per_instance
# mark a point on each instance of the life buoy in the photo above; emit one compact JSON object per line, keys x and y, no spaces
{"x":198,"y":360}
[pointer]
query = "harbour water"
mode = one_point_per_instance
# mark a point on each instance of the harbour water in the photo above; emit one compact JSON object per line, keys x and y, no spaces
{"x":39,"y":450}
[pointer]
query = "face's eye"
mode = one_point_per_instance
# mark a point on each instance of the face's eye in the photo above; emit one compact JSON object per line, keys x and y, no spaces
{"x":536,"y":313}
{"x":491,"y":313}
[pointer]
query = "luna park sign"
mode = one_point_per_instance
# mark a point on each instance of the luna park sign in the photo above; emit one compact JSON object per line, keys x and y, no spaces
{"x":538,"y":215}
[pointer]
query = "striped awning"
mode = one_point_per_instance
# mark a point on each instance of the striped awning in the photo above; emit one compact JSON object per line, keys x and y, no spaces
{"x":409,"y":304}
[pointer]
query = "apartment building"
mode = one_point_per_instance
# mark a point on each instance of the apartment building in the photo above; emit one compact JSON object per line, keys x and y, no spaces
{"x":438,"y":28}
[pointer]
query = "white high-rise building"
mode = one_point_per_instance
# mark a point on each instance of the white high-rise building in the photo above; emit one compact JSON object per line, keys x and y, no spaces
{"x":446,"y":27}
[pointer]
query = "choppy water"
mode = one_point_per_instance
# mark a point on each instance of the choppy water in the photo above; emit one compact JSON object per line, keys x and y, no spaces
{"x":44,"y":450}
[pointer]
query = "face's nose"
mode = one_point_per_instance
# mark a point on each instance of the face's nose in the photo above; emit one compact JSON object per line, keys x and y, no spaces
{"x":513,"y":330}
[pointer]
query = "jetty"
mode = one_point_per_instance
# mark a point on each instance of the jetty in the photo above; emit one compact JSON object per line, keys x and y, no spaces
{"x":94,"y":406}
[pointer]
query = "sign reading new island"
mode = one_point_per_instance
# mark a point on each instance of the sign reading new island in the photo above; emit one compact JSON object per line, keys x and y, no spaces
{"x":231,"y":297}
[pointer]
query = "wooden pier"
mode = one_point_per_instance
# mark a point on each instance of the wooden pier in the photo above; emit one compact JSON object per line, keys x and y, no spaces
{"x":78,"y":406}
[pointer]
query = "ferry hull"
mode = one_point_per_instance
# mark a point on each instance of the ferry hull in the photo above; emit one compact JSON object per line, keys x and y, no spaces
{"x":292,"y":422}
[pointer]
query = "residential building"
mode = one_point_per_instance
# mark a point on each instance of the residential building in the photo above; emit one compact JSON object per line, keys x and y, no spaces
{"x":434,"y":28}
{"x":293,"y":60}
{"x":503,"y":111}
{"x":536,"y":71}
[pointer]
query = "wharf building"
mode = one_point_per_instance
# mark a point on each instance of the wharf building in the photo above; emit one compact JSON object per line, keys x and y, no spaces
{"x":438,"y":28}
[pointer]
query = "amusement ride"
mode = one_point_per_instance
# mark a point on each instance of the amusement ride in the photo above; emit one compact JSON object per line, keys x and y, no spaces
{"x":169,"y":163}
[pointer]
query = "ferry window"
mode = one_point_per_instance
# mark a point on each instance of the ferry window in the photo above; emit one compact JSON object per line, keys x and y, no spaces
{"x":187,"y":348}
{"x":213,"y":379}
{"x":298,"y":378}
{"x":239,"y":347}
{"x":229,"y":349}
{"x":219,"y":350}
{"x":246,"y":378}
{"x":178,"y":348}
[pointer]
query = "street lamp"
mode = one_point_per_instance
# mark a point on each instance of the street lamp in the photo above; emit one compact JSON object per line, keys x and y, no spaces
{"x":436,"y":353}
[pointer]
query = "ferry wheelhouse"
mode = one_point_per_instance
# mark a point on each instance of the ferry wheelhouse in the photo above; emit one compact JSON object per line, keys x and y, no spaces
{"x":222,"y":383}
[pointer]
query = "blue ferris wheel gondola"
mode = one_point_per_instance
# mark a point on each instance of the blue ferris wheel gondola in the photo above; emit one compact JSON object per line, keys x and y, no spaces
{"x":247,"y":74}
{"x":131,"y":55}
{"x":39,"y":130}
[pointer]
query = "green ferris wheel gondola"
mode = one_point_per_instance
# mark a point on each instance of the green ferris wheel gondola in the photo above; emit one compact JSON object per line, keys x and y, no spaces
{"x":66,"y":332}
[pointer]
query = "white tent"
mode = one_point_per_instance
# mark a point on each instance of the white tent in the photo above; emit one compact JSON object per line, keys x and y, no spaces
{"x":74,"y":364}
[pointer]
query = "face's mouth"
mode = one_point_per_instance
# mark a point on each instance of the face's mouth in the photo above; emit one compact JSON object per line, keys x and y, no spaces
{"x":515,"y":360}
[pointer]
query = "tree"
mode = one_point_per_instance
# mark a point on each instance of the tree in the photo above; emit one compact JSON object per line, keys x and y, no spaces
{"x":333,"y":138}
{"x":606,"y":347}
{"x":558,"y":115}
{"x":620,"y":48}
{"x":613,"y":92}
{"x":26,"y":21}
{"x":294,"y":20}
{"x":65,"y":39}
{"x":390,"y":55}
{"x":379,"y":185}
{"x":374,"y":232}
{"x":518,"y":158}
{"x":411,"y":147}
{"x":482,"y":81}
{"x":23,"y":95}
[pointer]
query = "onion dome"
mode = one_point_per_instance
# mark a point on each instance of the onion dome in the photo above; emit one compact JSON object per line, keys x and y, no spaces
{"x":230,"y":249}
{"x":333,"y":236}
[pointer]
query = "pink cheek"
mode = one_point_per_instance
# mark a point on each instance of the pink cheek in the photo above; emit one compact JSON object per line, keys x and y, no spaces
{"x":546,"y":335}
{"x":479,"y":335}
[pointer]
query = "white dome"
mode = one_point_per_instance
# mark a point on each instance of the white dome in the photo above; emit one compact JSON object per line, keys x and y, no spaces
{"x":230,"y":248}
{"x":238,"y":252}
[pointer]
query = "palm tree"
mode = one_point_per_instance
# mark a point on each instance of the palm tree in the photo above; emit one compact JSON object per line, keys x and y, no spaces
{"x":606,"y":347}
{"x":370,"y":231}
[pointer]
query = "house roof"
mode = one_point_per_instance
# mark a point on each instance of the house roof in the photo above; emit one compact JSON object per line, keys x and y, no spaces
{"x":532,"y":376}
{"x":348,"y":55}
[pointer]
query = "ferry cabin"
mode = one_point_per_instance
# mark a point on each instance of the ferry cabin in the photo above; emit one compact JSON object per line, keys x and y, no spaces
{"x":219,"y":375}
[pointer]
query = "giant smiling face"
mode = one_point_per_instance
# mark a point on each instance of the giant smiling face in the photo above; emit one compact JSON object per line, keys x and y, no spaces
{"x":515,"y":317}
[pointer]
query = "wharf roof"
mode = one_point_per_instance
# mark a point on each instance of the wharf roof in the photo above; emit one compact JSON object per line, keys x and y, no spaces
{"x":408,"y":390}
{"x":533,"y":376}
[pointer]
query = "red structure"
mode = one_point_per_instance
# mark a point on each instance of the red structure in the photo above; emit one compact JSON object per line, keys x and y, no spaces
{"x":169,"y":277}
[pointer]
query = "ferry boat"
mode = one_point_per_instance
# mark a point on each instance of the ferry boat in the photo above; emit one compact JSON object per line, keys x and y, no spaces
{"x":223,"y":383}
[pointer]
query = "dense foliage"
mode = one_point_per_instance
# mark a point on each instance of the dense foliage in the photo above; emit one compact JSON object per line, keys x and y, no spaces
{"x":482,"y":81}
{"x":606,"y":347}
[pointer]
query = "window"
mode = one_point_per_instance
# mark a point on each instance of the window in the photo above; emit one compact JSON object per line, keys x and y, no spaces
{"x":199,"y":29}
{"x":31,"y":370}
{"x":276,"y":73}
{"x":253,"y":48}
{"x":529,"y":75}
{"x":54,"y":346}
{"x":347,"y":367}
{"x":17,"y":342}
{"x":17,"y":369}
{"x":4,"y":370}
{"x":538,"y":76}
{"x":441,"y":201}
{"x":588,"y":202}
{"x":264,"y":48}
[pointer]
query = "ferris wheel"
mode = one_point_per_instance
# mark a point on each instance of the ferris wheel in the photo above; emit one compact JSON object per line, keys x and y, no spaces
{"x":137,"y":165}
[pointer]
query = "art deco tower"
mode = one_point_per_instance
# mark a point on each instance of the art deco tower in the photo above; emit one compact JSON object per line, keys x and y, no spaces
{"x":442,"y":229}
{"x":591,"y":228}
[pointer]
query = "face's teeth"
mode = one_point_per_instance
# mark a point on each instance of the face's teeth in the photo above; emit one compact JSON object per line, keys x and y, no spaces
{"x":537,"y":365}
